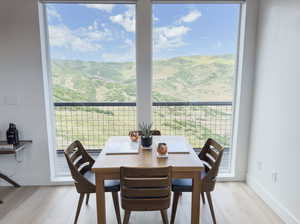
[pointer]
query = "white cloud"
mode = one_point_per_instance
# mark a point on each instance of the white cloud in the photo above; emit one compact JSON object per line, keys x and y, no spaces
{"x":53,"y":13}
{"x":102,"y":7}
{"x":129,"y":42}
{"x":93,"y":33}
{"x":174,"y":31}
{"x":168,"y":37}
{"x":126,"y":20}
{"x":190,"y":17}
{"x":96,"y":35}
{"x":81,"y":40}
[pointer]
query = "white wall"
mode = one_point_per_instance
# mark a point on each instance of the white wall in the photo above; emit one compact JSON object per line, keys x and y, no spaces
{"x":275,"y":131}
{"x":21,"y":84}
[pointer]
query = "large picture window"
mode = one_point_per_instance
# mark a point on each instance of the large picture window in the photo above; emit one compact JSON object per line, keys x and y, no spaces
{"x":185,"y":67}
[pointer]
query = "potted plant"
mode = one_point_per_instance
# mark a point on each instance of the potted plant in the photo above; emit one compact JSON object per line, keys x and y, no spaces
{"x":146,"y":137}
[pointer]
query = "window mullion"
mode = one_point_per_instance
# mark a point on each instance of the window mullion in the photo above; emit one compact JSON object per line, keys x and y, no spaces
{"x":144,"y":60}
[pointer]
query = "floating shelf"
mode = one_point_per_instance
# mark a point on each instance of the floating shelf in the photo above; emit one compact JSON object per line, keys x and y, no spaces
{"x":16,"y":149}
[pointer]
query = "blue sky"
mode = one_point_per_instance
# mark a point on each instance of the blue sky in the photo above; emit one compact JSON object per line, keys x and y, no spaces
{"x":106,"y":32}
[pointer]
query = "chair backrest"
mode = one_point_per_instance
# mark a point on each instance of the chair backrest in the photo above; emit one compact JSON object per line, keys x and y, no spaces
{"x":211,"y":154}
{"x":79,"y":162}
{"x":153,"y":132}
{"x":146,"y":189}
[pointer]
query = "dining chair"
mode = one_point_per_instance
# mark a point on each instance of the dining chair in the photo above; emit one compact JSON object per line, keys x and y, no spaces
{"x":211,"y":155}
{"x":80,"y":164}
{"x":153,"y":132}
{"x":146,"y":189}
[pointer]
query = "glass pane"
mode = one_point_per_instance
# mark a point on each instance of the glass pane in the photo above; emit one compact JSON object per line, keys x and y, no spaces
{"x":92,"y":51}
{"x":194,"y":61}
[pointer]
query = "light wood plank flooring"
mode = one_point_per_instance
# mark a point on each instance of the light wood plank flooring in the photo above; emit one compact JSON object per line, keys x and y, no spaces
{"x":234,"y":203}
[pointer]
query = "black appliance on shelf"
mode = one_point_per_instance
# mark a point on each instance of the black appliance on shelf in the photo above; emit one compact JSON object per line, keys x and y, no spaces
{"x":12,"y":135}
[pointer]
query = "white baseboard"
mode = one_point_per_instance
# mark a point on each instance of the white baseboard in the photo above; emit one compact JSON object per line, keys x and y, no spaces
{"x":274,"y":204}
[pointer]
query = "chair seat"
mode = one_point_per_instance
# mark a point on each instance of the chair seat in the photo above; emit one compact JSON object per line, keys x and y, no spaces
{"x":110,"y":185}
{"x":184,"y":185}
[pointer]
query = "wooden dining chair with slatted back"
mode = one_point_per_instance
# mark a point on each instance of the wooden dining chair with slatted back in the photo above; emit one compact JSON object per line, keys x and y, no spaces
{"x":80,"y":164}
{"x":146,"y":189}
{"x":211,"y":155}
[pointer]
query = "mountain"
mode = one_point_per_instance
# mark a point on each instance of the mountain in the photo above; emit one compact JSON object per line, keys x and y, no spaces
{"x":193,"y":78}
{"x":188,"y":78}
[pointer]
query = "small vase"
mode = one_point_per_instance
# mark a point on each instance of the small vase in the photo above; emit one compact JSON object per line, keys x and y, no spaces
{"x":146,"y":141}
{"x":134,"y":136}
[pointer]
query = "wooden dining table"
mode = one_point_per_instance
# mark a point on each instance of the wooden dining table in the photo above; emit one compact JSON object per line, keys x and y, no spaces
{"x":184,"y":165}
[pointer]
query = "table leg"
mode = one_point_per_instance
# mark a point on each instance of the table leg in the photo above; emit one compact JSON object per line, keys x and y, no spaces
{"x":100,"y":200}
{"x":196,"y":194}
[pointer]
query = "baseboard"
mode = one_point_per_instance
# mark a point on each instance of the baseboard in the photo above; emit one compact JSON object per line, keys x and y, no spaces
{"x":274,"y":204}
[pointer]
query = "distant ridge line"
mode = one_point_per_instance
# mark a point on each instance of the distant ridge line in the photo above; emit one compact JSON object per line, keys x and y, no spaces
{"x":160,"y":59}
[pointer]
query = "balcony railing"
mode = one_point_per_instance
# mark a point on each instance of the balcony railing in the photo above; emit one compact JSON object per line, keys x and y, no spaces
{"x":93,"y":123}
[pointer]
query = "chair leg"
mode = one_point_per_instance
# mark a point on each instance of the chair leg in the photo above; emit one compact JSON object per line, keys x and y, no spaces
{"x":164,"y":216}
{"x":115,"y":197}
{"x":126,"y":216}
{"x":87,"y":198}
{"x":81,"y":197}
{"x":174,"y":206}
{"x":203,"y":197}
{"x":208,"y":195}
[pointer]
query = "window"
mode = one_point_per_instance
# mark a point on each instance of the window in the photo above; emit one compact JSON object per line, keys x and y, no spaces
{"x":194,"y":65}
{"x":92,"y":56}
{"x":184,"y":86}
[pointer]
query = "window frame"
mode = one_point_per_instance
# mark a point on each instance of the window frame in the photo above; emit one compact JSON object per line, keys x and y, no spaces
{"x":241,"y":101}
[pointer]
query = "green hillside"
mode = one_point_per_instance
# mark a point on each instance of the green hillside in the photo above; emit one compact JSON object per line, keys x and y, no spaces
{"x":195,"y":78}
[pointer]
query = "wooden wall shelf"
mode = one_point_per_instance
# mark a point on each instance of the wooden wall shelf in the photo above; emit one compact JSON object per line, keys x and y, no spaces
{"x":16,"y":149}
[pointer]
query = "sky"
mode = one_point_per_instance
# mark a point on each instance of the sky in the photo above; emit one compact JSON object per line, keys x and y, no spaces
{"x":106,"y":32}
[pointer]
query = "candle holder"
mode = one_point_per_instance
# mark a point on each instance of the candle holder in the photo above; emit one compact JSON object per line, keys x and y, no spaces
{"x":134,"y":136}
{"x":162,"y":150}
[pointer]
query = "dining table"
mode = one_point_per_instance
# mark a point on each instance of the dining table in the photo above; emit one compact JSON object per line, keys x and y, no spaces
{"x":185,"y":164}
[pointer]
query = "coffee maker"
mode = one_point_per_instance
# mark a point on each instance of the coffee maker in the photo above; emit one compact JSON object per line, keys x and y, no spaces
{"x":12,"y":135}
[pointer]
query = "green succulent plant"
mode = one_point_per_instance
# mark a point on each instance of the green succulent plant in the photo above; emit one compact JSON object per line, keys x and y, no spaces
{"x":145,"y":129}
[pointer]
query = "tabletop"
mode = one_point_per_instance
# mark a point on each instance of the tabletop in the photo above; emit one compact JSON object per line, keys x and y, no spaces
{"x":148,"y":158}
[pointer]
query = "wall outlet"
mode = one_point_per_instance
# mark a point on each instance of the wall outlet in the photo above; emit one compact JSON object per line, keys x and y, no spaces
{"x":275,"y":177}
{"x":10,"y":100}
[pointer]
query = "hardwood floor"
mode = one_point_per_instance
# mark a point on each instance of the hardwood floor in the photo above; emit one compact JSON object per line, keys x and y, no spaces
{"x":235,"y":203}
